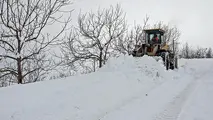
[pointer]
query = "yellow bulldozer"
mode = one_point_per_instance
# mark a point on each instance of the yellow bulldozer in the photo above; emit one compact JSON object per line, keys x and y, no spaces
{"x":155,"y":45}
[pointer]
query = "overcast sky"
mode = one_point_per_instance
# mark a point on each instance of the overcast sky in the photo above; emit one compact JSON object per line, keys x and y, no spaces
{"x":193,"y":17}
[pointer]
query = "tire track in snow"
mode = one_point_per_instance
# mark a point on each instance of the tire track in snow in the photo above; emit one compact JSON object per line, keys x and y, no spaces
{"x":174,"y":108}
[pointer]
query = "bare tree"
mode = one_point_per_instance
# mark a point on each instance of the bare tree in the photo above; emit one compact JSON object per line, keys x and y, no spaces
{"x":135,"y":36}
{"x":209,"y":53}
{"x":185,"y":52}
{"x":137,"y":33}
{"x":22,"y":23}
{"x":200,"y":52}
{"x":93,"y":38}
{"x":171,"y":36}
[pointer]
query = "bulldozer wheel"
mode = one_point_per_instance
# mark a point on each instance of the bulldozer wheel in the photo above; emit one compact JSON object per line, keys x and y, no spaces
{"x":176,"y":62}
{"x":172,"y":66}
{"x":166,"y":60}
{"x":168,"y":64}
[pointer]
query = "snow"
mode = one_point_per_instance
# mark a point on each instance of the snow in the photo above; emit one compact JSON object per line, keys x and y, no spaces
{"x":126,"y":88}
{"x":199,"y":105}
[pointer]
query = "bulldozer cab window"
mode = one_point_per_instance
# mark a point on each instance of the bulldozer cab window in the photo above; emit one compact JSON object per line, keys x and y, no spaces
{"x":154,"y":38}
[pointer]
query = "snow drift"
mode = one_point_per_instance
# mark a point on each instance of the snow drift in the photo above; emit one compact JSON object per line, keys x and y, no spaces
{"x":123,"y":83}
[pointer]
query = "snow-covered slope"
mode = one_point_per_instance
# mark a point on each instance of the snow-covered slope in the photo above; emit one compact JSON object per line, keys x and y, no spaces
{"x":126,"y":88}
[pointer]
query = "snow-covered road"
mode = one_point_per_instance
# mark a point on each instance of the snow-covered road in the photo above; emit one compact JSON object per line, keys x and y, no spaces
{"x":199,"y":105}
{"x":125,"y":89}
{"x":162,"y":103}
{"x":171,"y":100}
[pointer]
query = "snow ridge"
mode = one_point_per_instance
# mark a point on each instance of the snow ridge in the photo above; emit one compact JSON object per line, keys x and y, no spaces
{"x":126,"y":88}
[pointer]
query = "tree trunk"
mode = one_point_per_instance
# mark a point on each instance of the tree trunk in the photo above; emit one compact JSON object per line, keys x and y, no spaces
{"x":19,"y":77}
{"x":104,"y":60}
{"x":94,"y":65}
{"x":100,"y":58}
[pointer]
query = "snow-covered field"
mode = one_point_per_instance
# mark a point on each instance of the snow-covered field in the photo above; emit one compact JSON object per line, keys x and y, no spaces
{"x":126,"y":88}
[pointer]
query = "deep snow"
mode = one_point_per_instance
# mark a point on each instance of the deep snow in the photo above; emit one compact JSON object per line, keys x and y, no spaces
{"x":126,"y":88}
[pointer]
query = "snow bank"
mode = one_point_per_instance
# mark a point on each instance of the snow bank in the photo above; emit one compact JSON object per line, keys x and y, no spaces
{"x":88,"y":97}
{"x":147,"y":66}
{"x":85,"y":97}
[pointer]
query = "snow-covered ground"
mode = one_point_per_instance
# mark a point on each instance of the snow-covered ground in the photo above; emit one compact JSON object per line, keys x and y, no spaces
{"x":126,"y":88}
{"x":199,"y":105}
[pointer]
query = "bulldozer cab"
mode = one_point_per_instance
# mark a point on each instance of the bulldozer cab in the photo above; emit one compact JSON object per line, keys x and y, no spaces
{"x":154,"y":40}
{"x":154,"y":36}
{"x":153,"y":43}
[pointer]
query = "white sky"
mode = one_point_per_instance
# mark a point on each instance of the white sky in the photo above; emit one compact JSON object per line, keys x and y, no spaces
{"x":193,"y":17}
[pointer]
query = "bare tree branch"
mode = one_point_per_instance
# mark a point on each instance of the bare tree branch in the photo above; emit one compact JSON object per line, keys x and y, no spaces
{"x":125,"y":43}
{"x":22,"y":36}
{"x":93,"y":38}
